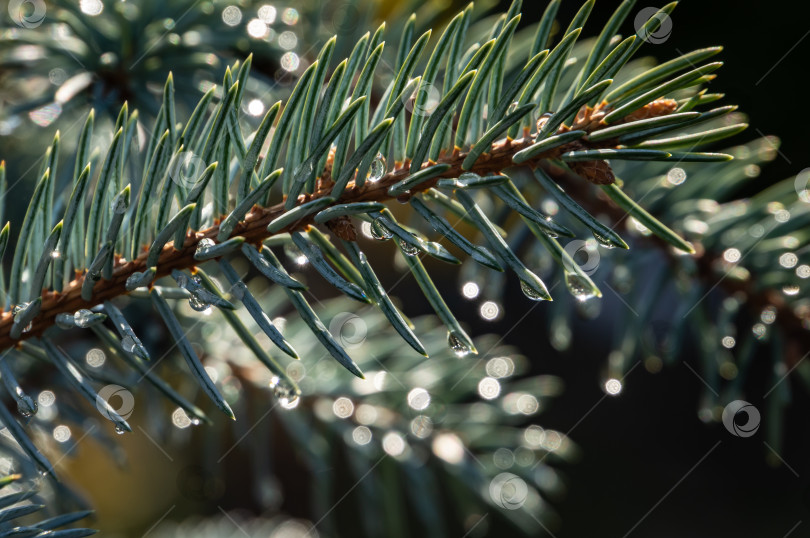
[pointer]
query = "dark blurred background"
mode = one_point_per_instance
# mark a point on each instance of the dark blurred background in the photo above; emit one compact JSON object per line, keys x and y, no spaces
{"x":643,"y":452}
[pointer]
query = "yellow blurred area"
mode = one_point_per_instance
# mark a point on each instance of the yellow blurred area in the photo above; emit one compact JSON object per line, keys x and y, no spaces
{"x":129,"y":500}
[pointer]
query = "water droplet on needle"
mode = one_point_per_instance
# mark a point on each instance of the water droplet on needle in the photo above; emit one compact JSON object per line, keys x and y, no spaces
{"x":457,"y":345}
{"x":407,"y":248}
{"x":380,"y":232}
{"x":82,"y":318}
{"x":204,"y":246}
{"x":602,"y":240}
{"x":531,"y":292}
{"x":377,"y":169}
{"x":579,"y":287}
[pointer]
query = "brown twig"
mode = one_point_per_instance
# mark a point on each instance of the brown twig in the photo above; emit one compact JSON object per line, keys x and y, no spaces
{"x":254,"y":229}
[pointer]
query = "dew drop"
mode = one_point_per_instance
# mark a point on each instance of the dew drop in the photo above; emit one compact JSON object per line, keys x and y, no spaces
{"x":119,"y":429}
{"x":82,"y":318}
{"x":128,"y":343}
{"x":380,"y":232}
{"x":284,"y":391}
{"x":134,"y":280}
{"x":457,"y":345}
{"x":407,"y":248}
{"x":530,"y":292}
{"x":304,"y":171}
{"x":466,"y":177}
{"x":65,"y":321}
{"x":377,"y":169}
{"x":196,"y":300}
{"x":27,"y":407}
{"x":204,"y":246}
{"x":195,"y":421}
{"x":182,"y":281}
{"x":198,"y":304}
{"x":290,"y":402}
{"x":19,"y":308}
{"x":602,"y":240}
{"x":579,"y":287}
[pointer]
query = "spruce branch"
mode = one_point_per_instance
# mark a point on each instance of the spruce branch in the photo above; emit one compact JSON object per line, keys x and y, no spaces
{"x":253,"y":228}
{"x":315,"y":171}
{"x":209,"y":196}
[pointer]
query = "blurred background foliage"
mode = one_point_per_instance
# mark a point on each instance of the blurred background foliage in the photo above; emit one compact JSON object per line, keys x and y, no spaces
{"x":97,"y":54}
